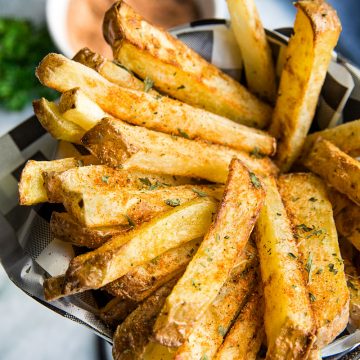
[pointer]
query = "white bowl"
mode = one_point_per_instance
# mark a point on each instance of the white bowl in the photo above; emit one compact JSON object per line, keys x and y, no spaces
{"x":56,"y":18}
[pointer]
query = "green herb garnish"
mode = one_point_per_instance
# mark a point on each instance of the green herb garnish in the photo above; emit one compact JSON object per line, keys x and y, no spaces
{"x":172,"y":202}
{"x":200,"y":193}
{"x":332,"y":268}
{"x":312,"y":199}
{"x":256,"y":153}
{"x":308,"y":266}
{"x":183,"y":134}
{"x":312,"y":297}
{"x":292,"y":255}
{"x":148,"y":84}
{"x":105,"y":179}
{"x":180,"y":87}
{"x":255,"y":180}
{"x":130,"y":221}
{"x":222,"y":331}
{"x":303,"y":227}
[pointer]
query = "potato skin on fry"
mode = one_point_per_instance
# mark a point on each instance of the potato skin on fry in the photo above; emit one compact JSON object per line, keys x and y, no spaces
{"x":178,"y":70}
{"x":317,"y":29}
{"x":116,"y":311}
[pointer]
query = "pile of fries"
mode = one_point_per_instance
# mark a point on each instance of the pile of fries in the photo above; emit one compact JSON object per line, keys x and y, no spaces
{"x":206,"y":244}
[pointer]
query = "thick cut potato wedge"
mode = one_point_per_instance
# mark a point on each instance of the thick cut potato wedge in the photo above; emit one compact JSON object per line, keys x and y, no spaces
{"x":123,"y":253}
{"x":177,"y":70}
{"x":116,"y":311}
{"x":76,"y":107}
{"x":345,"y":137}
{"x":53,"y":122}
{"x":140,"y":282}
{"x":255,"y":50}
{"x":337,"y":168}
{"x":216,"y":256}
{"x":348,"y":224}
{"x":209,"y":331}
{"x":152,"y":111}
{"x":66,"y":228}
{"x":31,"y":185}
{"x":310,"y":211}
{"x":53,"y":288}
{"x":338,"y":200}
{"x":128,"y":206}
{"x":132,"y":336}
{"x":246,"y":335}
{"x":112,"y":71}
{"x":119,"y":144}
{"x":317,"y":29}
{"x":288,"y":318}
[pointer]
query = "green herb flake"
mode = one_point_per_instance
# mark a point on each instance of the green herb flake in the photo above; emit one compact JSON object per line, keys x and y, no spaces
{"x":256,"y":153}
{"x":196,"y":285}
{"x":130,"y":221}
{"x":255,"y":180}
{"x":332,"y":269}
{"x":312,"y":297}
{"x":199,"y":193}
{"x":303,"y":227}
{"x":226,"y":237}
{"x":148,"y":84}
{"x":80,"y":163}
{"x":312,"y":199}
{"x":319,"y":271}
{"x":222,"y":331}
{"x":172,"y":202}
{"x":145,"y":181}
{"x":183,"y":134}
{"x":180,"y":87}
{"x":308,"y":266}
{"x":204,"y":357}
{"x":122,"y":66}
{"x":105,"y":179}
{"x":292,"y":255}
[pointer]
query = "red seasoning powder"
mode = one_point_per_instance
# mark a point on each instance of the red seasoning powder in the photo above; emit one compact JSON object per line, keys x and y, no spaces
{"x":85,"y":19}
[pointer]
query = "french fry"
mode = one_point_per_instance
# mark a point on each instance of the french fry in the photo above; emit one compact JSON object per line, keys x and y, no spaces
{"x":123,"y":253}
{"x":209,"y":331}
{"x":140,"y":282}
{"x":337,"y":168}
{"x":246,"y":335}
{"x":53,"y":288}
{"x":345,"y":137}
{"x":128,"y":206}
{"x":255,"y":50}
{"x":347,"y":224}
{"x":156,"y":351}
{"x":52,"y":121}
{"x":317,"y":29}
{"x":288,"y":319}
{"x":110,"y":70}
{"x":132,"y":336}
{"x":177,"y":70}
{"x":76,"y":107}
{"x":116,"y":311}
{"x":66,"y":228}
{"x":118,"y":144}
{"x":211,"y":265}
{"x":31,"y":185}
{"x":152,"y":111}
{"x":338,"y":200}
{"x":306,"y":202}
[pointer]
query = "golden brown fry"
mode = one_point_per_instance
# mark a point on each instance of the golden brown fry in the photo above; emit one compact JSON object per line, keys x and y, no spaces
{"x":348,"y":224}
{"x":110,"y":70}
{"x":132,"y":336}
{"x":338,"y":200}
{"x":31,"y":185}
{"x":337,"y":168}
{"x":118,"y":144}
{"x":53,"y":288}
{"x":246,"y":335}
{"x":309,"y":52}
{"x":310,"y":211}
{"x":211,"y":265}
{"x":209,"y":331}
{"x":116,"y":311}
{"x":52,"y":121}
{"x":123,"y":253}
{"x":345,"y":137}
{"x":140,"y":282}
{"x":152,"y":111}
{"x":66,"y":228}
{"x":288,"y":319}
{"x":177,"y":70}
{"x":255,"y":50}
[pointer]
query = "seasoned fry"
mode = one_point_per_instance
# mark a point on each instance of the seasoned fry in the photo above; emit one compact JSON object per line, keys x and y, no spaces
{"x":122,"y":253}
{"x":132,"y":336}
{"x":211,"y":265}
{"x":118,"y":144}
{"x":140,"y":282}
{"x":306,"y":202}
{"x":255,"y":50}
{"x":246,"y":335}
{"x":152,"y":111}
{"x":53,"y":288}
{"x":317,"y":29}
{"x":156,"y":351}
{"x":66,"y":228}
{"x":348,"y":224}
{"x":116,"y":311}
{"x":76,"y":107}
{"x":31,"y":185}
{"x":345,"y":137}
{"x":112,"y":71}
{"x":338,"y":200}
{"x":337,"y":168}
{"x":52,"y":121}
{"x":288,"y":320}
{"x":209,"y":331}
{"x":177,"y":70}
